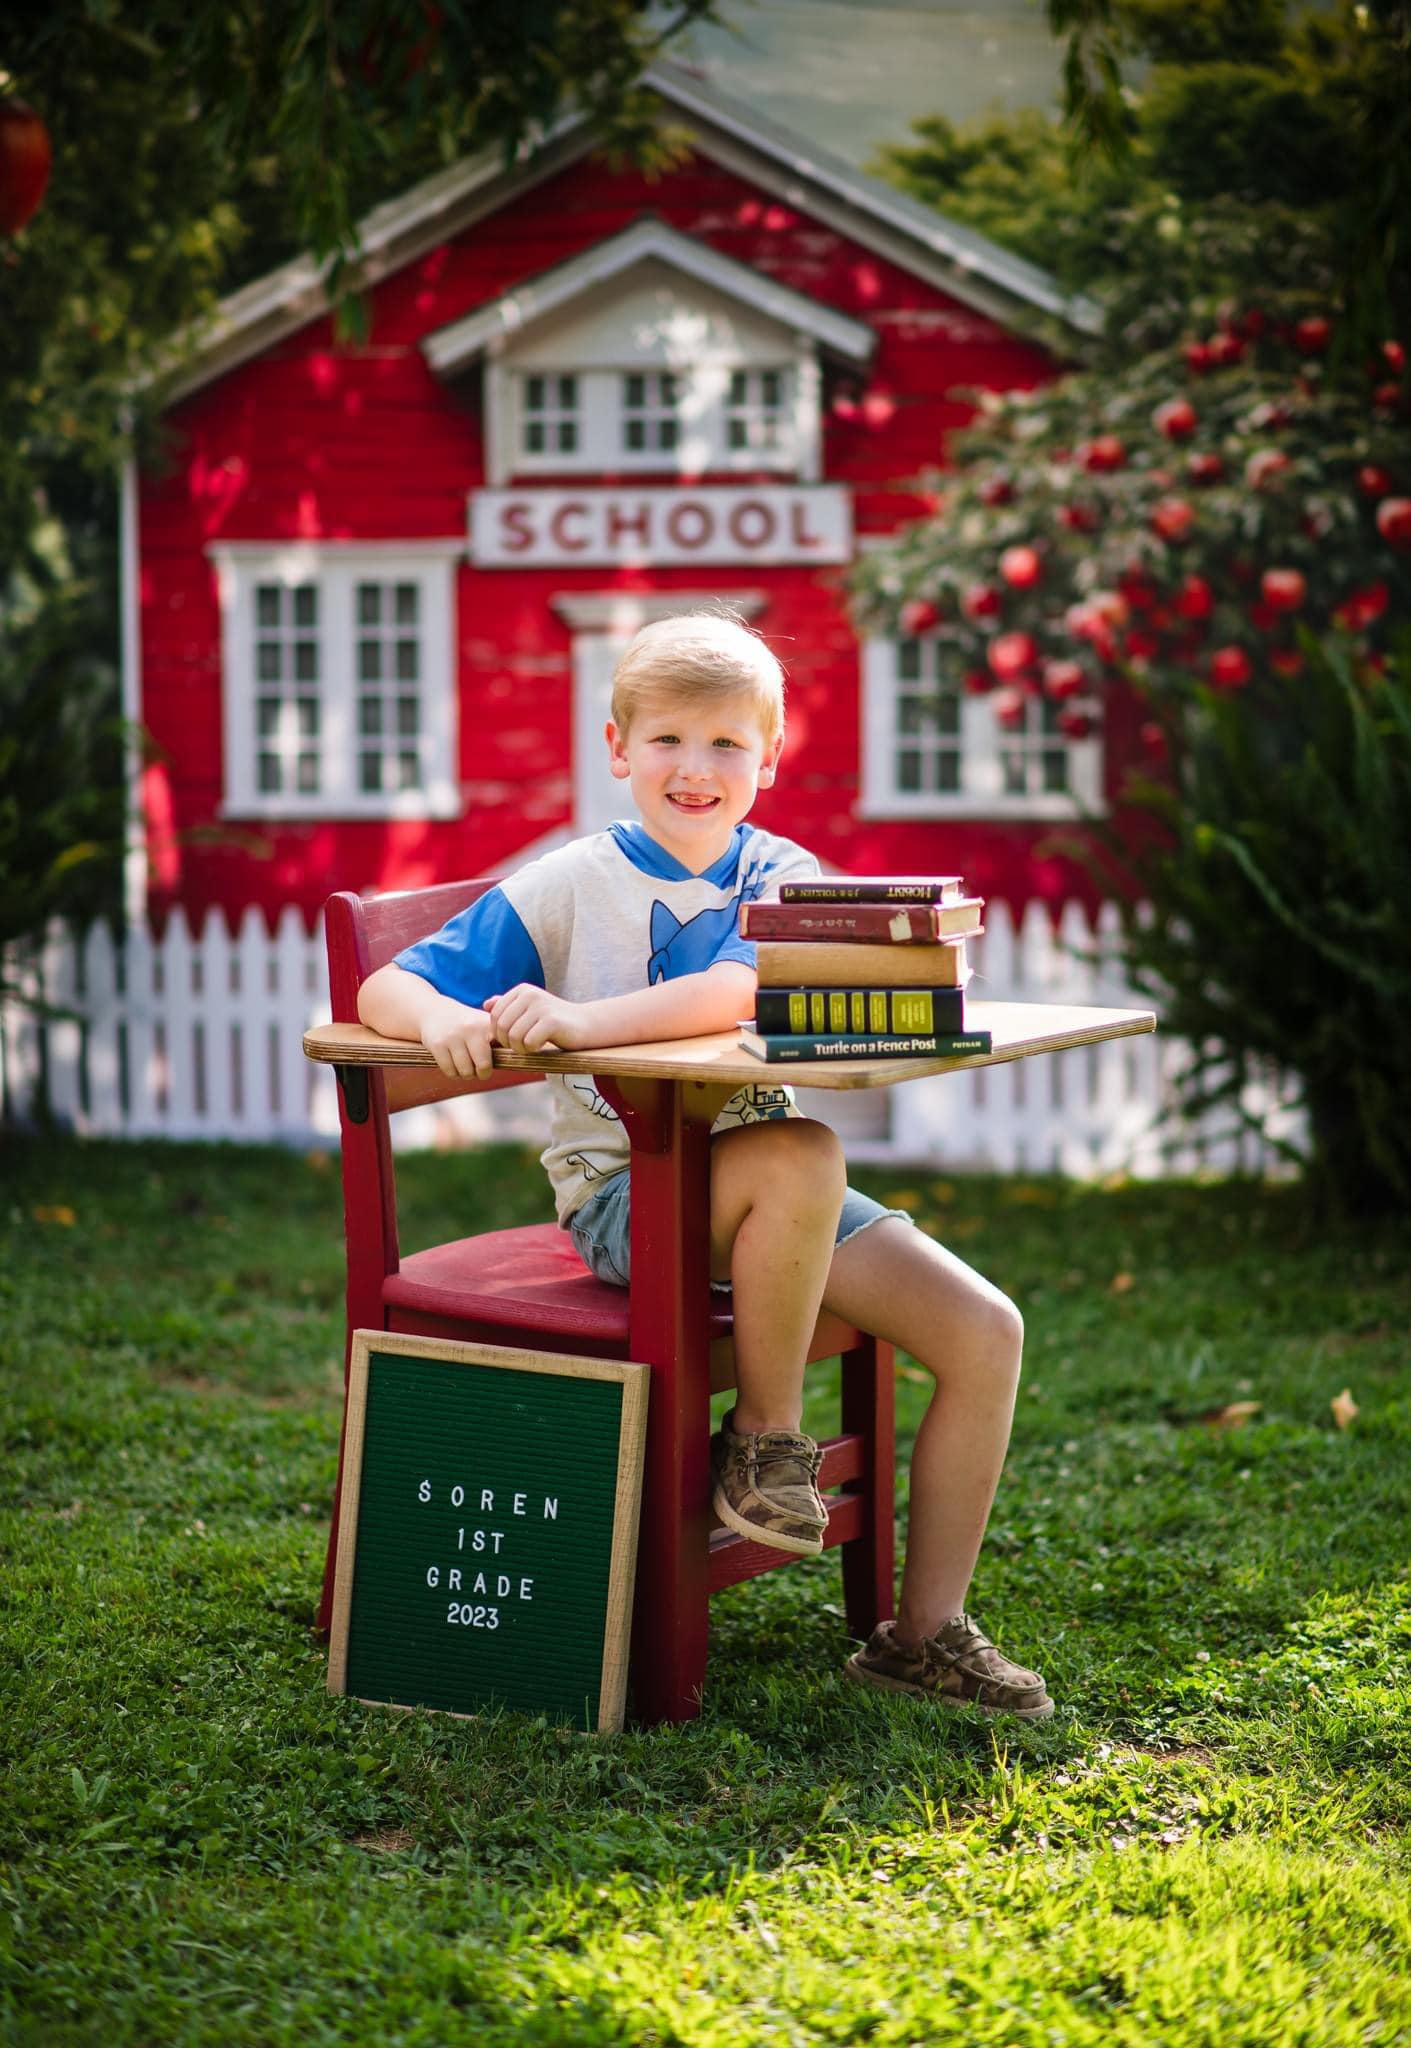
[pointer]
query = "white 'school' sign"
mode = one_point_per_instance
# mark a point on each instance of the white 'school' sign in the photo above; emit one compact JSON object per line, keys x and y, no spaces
{"x":623,"y":528}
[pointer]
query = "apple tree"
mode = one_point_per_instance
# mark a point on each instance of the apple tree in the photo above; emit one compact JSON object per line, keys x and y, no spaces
{"x":1203,"y":548}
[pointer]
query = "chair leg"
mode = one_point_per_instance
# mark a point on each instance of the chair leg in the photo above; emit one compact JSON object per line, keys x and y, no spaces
{"x":323,"y":1621}
{"x":869,"y":1410}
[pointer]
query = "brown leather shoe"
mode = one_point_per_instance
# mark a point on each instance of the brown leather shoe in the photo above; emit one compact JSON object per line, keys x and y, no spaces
{"x":766,"y":1488}
{"x":956,"y":1667}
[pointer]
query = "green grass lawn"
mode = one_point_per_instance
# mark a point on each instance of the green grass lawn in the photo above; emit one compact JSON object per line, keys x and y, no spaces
{"x":1209,"y":1844}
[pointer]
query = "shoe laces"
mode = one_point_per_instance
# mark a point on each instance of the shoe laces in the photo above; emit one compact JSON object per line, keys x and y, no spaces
{"x":797,"y":1452}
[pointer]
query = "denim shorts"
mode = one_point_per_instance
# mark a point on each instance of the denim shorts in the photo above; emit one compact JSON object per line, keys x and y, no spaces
{"x":601,"y":1229}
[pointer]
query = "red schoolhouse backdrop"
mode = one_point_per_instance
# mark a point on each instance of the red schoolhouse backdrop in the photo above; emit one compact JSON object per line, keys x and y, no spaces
{"x":378,"y":588}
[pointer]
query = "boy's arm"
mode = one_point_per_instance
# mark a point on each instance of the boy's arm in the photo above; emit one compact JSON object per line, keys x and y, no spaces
{"x":530,"y":1018}
{"x":403,"y":1005}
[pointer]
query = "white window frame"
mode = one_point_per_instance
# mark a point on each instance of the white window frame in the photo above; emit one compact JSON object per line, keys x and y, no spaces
{"x":983,"y":742}
{"x":337,"y":568}
{"x":702,"y":412}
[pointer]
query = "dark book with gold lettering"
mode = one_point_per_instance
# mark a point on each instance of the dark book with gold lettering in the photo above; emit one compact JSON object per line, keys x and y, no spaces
{"x":861,"y":1012}
{"x":874,"y":889}
{"x":782,"y":1046}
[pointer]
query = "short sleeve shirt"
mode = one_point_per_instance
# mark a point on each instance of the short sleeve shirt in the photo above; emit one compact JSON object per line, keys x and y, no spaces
{"x":600,"y":917}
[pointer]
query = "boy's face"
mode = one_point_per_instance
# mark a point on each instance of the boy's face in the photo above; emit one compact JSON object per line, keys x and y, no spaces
{"x":694,"y":770}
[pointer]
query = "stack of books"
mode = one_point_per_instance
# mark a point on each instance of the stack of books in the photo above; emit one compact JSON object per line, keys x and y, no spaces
{"x":863,"y":967}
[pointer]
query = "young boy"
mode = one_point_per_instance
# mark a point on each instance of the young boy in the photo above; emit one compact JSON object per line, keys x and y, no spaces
{"x":631,"y":935}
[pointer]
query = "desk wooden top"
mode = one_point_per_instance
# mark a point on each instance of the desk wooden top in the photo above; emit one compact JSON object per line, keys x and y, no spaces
{"x":1019,"y":1030}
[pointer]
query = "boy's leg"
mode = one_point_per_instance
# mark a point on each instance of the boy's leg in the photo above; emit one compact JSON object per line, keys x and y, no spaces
{"x":898,"y":1283}
{"x":776,"y":1193}
{"x":776,"y":1190}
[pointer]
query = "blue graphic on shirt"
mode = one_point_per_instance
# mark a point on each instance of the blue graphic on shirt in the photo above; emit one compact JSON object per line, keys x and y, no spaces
{"x":692,"y":947}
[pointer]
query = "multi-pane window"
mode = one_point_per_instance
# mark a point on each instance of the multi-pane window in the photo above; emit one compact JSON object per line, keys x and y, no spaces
{"x":755,"y":418}
{"x":1033,"y":757}
{"x":649,"y":419}
{"x":928,"y":744}
{"x":550,"y":418}
{"x":287,"y":705}
{"x":388,"y":644}
{"x":931,"y":748}
{"x":338,"y":681}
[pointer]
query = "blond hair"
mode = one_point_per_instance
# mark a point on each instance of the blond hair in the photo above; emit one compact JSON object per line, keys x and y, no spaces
{"x":699,"y":656}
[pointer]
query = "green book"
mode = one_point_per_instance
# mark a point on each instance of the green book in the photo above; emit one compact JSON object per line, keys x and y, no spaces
{"x":838,"y":1047}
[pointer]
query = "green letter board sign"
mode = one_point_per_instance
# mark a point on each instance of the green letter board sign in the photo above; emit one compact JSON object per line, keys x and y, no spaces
{"x":487,"y":1539}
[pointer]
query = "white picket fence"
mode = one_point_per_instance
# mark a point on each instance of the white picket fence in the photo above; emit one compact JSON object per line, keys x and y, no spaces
{"x":197,"y":1035}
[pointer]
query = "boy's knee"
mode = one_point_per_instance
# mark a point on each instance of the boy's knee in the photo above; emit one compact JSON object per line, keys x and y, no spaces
{"x":805,"y":1154}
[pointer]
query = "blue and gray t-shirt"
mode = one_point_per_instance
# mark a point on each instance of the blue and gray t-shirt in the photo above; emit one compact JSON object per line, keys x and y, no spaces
{"x":601,"y":917}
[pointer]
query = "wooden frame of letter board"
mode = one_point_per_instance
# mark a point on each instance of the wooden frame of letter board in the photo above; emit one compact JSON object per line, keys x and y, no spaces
{"x":635,"y":1381}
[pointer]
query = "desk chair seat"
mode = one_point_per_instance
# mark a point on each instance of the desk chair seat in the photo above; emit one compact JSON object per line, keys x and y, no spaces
{"x":528,"y":1286}
{"x":530,"y":1279}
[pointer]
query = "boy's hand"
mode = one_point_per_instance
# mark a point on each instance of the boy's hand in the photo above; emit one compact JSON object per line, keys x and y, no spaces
{"x":460,"y":1039}
{"x":529,"y":1019}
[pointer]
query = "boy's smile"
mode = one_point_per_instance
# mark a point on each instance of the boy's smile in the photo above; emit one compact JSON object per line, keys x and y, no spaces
{"x":695,"y":768}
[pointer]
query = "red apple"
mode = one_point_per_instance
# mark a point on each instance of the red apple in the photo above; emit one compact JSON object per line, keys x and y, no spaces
{"x":1011,"y":653}
{"x":1177,"y":419}
{"x":1230,"y":668}
{"x":977,"y":682}
{"x":981,"y":601}
{"x":1311,"y":336}
{"x":1226,"y":349}
{"x":25,"y":157}
{"x":1078,"y":518}
{"x":1283,"y":589}
{"x":1009,"y":706}
{"x":1374,"y":482}
{"x":1104,"y":453}
{"x":1394,"y":356}
{"x":1139,"y":645}
{"x":1362,"y":607}
{"x":1264,"y":466}
{"x":1394,"y":522}
{"x":1075,"y":724}
{"x":1204,"y":469}
{"x":996,"y":490}
{"x":919,"y":615}
{"x":1197,"y":355}
{"x":1065,"y":678}
{"x":1387,"y":397}
{"x":1172,"y":518}
{"x":1020,"y":567}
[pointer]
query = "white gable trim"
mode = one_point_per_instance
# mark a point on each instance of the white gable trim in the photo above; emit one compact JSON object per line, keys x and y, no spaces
{"x":450,"y":348}
{"x":953,"y":258}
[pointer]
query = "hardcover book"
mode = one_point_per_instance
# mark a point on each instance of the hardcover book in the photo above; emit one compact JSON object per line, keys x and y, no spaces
{"x":874,"y":889}
{"x":799,"y":963}
{"x":803,"y":1046}
{"x":879,"y":924}
{"x":861,"y":1012}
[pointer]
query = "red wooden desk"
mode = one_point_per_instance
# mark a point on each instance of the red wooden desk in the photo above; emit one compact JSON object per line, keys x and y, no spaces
{"x":668,"y":1096}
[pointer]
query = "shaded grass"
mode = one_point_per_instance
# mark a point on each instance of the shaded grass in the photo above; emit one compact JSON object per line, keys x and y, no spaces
{"x":1208,"y":1844}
